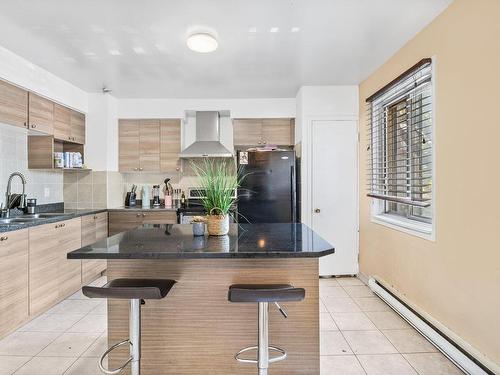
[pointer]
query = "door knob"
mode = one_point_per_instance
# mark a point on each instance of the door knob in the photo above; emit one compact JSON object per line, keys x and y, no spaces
{"x":317,"y":210}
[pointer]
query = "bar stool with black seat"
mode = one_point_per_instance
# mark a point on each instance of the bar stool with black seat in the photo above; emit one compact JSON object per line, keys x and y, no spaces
{"x":263,"y":295}
{"x":137,"y":291}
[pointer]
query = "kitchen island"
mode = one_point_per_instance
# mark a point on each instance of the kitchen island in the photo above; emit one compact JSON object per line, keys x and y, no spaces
{"x":195,"y":330}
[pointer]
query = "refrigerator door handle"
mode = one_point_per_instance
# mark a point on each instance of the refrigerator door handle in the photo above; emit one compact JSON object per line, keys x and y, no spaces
{"x":293,"y":194}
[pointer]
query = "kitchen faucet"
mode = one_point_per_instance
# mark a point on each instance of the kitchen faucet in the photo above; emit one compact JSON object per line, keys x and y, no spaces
{"x":8,"y":196}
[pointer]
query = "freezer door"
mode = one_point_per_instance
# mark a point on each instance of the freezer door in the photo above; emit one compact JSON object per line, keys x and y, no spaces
{"x":267,"y":194}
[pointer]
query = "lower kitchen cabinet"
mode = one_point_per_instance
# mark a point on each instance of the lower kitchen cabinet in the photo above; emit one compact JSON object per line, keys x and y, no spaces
{"x":121,"y":221}
{"x":52,"y":276}
{"x":94,"y":228}
{"x":13,"y":280}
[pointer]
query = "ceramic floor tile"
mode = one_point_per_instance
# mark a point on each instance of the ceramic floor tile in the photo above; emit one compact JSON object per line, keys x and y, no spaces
{"x":84,"y":366}
{"x":432,"y":364}
{"x":387,"y":320}
{"x":335,"y":305}
{"x":328,"y":281}
{"x":26,"y":343}
{"x":353,"y":322}
{"x":91,"y":324}
{"x":358,"y":291}
{"x":409,"y":341}
{"x":97,"y":348}
{"x":371,"y":304}
{"x":74,"y":306}
{"x":349,"y":281}
{"x":46,"y":366}
{"x":322,"y":307}
{"x":369,"y":342}
{"x":101,"y":309}
{"x":9,"y":364}
{"x":387,"y":364}
{"x":51,"y":323}
{"x":332,"y":291}
{"x":326,"y":322}
{"x":333,"y":343}
{"x":69,"y":345}
{"x":341,"y":365}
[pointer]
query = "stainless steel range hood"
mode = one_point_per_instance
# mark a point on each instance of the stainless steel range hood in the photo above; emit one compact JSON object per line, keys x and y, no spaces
{"x":207,"y":142}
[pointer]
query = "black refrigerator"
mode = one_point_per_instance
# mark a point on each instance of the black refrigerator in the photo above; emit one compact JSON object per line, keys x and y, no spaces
{"x":268,"y":191}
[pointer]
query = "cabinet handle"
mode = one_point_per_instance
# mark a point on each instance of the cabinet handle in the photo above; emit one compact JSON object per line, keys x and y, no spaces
{"x":26,"y":125}
{"x":33,"y":126}
{"x":140,"y":169}
{"x":259,"y":142}
{"x":4,"y":238}
{"x":136,"y":169}
{"x":265,"y":142}
{"x":143,"y":215}
{"x":138,"y":215}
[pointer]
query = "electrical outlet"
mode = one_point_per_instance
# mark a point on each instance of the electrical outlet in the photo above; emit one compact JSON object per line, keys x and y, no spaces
{"x":46,"y":192}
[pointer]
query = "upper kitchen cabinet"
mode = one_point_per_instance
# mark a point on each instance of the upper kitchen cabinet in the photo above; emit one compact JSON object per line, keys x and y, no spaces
{"x":278,"y":131}
{"x":69,"y":125}
{"x":62,"y":120}
{"x":13,"y":105}
{"x":128,"y":145}
{"x":77,"y":127}
{"x":249,"y":132}
{"x":40,"y":114}
{"x":149,"y":145}
{"x":170,"y":145}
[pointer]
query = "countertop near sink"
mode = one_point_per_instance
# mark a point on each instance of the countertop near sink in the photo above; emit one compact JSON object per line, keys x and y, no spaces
{"x":64,"y":215}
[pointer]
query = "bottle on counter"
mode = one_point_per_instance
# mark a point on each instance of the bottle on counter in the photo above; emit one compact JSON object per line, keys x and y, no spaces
{"x":146,"y":191}
{"x":183,"y":199}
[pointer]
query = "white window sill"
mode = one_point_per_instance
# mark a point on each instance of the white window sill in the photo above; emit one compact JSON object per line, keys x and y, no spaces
{"x":408,"y":226}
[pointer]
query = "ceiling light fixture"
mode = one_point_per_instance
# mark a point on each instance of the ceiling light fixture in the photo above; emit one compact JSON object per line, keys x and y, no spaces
{"x":274,"y":29}
{"x":202,"y":43}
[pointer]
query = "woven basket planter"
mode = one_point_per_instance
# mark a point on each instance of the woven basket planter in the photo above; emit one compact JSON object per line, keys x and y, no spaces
{"x":218,"y":225}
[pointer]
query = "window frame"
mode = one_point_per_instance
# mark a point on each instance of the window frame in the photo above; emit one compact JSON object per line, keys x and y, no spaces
{"x":409,"y":224}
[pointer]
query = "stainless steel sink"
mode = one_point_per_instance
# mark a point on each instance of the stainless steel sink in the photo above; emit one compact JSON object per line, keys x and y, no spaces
{"x":29,"y":218}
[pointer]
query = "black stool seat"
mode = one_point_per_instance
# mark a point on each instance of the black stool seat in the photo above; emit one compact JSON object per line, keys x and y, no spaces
{"x":265,"y":293}
{"x":131,"y":289}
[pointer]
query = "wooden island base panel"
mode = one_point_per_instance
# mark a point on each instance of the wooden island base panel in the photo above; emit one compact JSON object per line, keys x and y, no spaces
{"x":196,"y":331}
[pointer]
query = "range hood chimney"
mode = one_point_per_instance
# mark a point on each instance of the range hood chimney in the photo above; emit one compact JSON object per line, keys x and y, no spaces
{"x":207,"y":142}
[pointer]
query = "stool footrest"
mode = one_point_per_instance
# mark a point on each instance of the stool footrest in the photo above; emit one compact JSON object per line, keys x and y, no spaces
{"x":106,"y":353}
{"x":271,"y":360}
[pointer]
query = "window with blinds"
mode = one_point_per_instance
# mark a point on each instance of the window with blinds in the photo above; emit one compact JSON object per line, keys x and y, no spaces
{"x":400,"y":145}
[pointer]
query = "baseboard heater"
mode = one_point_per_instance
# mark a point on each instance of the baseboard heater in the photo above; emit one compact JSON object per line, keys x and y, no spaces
{"x":459,"y":356}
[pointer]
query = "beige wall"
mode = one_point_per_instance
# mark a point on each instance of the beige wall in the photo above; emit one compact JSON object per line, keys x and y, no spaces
{"x":456,"y":279}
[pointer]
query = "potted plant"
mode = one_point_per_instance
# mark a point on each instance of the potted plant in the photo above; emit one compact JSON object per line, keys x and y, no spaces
{"x":219,"y":179}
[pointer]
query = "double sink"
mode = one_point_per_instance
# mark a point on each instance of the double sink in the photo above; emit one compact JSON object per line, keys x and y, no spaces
{"x":30,"y":218}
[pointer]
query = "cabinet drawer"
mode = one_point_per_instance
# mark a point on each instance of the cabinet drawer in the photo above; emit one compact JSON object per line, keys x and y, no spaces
{"x":13,"y":280}
{"x":123,"y":221}
{"x":157,"y":217}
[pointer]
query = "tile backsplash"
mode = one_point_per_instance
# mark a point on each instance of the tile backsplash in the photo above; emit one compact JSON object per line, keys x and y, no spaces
{"x":44,"y":185}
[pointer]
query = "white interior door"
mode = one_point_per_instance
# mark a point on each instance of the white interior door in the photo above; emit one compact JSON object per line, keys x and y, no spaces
{"x":335,"y":193}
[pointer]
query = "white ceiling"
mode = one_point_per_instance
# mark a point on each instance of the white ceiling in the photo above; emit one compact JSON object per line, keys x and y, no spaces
{"x":339,"y":42}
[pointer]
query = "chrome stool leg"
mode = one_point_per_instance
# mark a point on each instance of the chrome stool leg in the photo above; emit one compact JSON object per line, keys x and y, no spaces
{"x":134,"y":343}
{"x":263,"y":341}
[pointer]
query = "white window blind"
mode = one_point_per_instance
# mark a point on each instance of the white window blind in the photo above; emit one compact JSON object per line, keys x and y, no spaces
{"x":400,"y":143}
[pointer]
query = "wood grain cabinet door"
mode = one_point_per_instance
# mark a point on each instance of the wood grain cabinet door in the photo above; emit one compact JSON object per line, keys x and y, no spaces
{"x":247,"y":131}
{"x":43,"y":267}
{"x":128,"y":139}
{"x":88,"y":230}
{"x":62,"y":123}
{"x":40,"y":114}
{"x":170,"y":145}
{"x":101,"y":226}
{"x":123,"y":221}
{"x":13,"y":105}
{"x":158,"y":217}
{"x":77,"y":127}
{"x":149,"y":145}
{"x":277,"y":131}
{"x":13,"y":280}
{"x":69,"y":237}
{"x":94,"y":228}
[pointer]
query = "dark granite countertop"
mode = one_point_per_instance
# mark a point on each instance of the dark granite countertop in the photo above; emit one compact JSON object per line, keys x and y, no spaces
{"x":175,"y":241}
{"x":54,"y":218}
